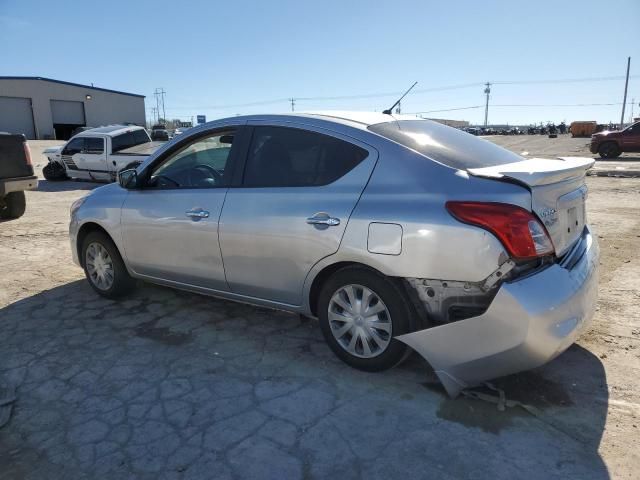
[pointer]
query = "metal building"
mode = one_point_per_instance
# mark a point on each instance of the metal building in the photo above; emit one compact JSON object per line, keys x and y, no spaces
{"x":43,"y":108}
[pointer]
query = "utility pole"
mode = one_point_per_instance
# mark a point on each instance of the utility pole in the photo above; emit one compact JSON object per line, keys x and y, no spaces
{"x":626,"y":85}
{"x":487,"y":91}
{"x":159,"y":94}
{"x":399,"y":108}
{"x":293,"y":104}
{"x":633,"y":100}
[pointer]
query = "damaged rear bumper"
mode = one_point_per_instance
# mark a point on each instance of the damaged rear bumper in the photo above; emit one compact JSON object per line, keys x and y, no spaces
{"x":530,"y":321}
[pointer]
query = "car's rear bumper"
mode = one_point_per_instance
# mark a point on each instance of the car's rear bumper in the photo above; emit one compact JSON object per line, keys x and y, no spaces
{"x":18,"y":184}
{"x":530,"y":321}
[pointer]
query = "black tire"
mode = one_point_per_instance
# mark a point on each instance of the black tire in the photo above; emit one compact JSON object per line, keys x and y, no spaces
{"x":53,"y":172}
{"x":397,"y":303}
{"x":609,"y":150}
{"x":122,"y":284}
{"x":13,"y":205}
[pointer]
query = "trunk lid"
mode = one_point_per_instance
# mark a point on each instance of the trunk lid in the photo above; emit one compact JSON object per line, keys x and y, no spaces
{"x":558,"y":193}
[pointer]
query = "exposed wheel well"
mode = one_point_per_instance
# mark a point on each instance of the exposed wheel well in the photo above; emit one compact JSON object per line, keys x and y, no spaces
{"x":322,"y":277}
{"x":85,"y":230}
{"x":418,"y":309}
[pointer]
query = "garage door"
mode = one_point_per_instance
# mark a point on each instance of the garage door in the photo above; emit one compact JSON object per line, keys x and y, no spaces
{"x":16,"y":116}
{"x":68,"y":113}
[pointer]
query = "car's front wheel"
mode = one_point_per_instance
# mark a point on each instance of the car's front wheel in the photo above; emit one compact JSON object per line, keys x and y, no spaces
{"x":53,"y":171}
{"x":609,"y":150}
{"x":360,"y":313}
{"x":104,"y":267}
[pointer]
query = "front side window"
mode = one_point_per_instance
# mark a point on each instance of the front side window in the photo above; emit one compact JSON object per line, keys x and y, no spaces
{"x":290,"y":157}
{"x":94,"y":145}
{"x":201,"y":164}
{"x":74,"y":146}
{"x":634,"y":129}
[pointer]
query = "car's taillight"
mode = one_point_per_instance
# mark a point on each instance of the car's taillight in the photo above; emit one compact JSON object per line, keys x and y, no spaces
{"x":520,"y":232}
{"x":27,"y":153}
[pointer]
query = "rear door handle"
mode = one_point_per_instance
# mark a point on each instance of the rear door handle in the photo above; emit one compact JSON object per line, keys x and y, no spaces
{"x":323,"y":218}
{"x":197,"y":213}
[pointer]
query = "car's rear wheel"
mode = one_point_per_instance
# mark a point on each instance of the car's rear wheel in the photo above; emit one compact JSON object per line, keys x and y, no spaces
{"x":360,"y":313}
{"x":104,"y":267}
{"x":609,"y":150}
{"x":13,"y":205}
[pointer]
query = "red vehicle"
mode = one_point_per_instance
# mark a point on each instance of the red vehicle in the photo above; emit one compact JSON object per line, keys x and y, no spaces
{"x":610,"y":144}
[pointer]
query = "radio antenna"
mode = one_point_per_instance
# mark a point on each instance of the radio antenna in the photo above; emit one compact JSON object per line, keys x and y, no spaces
{"x":388,"y":111}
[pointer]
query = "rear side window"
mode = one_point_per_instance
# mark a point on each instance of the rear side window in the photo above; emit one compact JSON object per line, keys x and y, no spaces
{"x":446,"y":145}
{"x":93,"y":145}
{"x":290,"y":157}
{"x":128,"y":140}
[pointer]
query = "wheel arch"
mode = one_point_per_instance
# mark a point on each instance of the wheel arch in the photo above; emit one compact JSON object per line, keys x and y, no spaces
{"x":420,"y":314}
{"x":323,"y":275}
{"x":85,"y":230}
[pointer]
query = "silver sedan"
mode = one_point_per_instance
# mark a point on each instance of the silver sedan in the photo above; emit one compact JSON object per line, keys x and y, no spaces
{"x":397,"y":233}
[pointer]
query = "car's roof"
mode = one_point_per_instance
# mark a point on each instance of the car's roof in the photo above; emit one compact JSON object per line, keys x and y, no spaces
{"x":365,"y":118}
{"x":358,"y":119}
{"x":110,"y":130}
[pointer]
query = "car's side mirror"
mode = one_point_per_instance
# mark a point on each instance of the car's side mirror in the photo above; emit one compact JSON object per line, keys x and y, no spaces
{"x":128,"y":178}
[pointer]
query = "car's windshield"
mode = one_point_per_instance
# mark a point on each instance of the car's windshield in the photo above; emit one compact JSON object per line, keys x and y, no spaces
{"x":446,"y":145}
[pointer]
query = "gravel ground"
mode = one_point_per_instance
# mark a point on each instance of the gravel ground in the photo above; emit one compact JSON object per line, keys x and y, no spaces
{"x":171,"y":385}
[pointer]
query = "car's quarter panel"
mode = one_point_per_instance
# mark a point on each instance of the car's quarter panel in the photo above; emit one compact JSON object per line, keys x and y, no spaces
{"x":411,"y":191}
{"x":161,"y":241}
{"x":267,"y":242}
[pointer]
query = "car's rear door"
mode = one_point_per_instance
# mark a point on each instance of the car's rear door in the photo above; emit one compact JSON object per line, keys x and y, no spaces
{"x":299,"y":187}
{"x":170,"y":225}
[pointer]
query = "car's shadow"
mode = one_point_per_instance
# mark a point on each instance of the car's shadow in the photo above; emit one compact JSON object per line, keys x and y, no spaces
{"x":66,"y":185}
{"x":622,"y":158}
{"x":67,"y":348}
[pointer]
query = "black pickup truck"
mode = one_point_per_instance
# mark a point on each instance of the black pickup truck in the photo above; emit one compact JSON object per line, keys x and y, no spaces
{"x":16,"y":175}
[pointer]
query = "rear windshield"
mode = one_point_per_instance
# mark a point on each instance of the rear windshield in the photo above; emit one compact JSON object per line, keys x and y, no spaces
{"x":129,"y":139}
{"x":446,"y":145}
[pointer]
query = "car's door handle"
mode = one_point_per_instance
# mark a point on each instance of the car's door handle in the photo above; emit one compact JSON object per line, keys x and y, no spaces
{"x":197,"y":213}
{"x":323,"y":219}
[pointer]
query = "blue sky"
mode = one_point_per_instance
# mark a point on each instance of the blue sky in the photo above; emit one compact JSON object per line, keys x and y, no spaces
{"x":214,"y":57}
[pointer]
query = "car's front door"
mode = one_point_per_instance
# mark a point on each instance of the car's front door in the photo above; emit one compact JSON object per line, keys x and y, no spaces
{"x":170,"y":224}
{"x":93,"y":158}
{"x":71,"y":153}
{"x":291,"y":210}
{"x":630,"y":139}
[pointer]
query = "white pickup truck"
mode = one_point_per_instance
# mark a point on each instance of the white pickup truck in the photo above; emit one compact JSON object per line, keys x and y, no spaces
{"x":99,"y":153}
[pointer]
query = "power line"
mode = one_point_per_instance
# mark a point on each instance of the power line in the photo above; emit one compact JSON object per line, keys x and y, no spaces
{"x":521,"y":105}
{"x":565,"y":80}
{"x":396,"y":93}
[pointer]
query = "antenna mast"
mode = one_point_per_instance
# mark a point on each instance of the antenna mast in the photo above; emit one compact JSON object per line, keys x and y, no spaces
{"x":389,"y":110}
